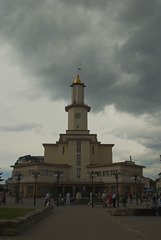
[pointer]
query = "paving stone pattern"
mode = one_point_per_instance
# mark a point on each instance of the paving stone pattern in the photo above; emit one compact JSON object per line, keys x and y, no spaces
{"x":83,"y":222}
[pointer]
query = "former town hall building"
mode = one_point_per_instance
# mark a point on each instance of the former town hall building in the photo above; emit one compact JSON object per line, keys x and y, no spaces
{"x":77,"y":161}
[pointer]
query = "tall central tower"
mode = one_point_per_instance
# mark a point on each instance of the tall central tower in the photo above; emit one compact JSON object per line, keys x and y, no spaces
{"x":77,"y":150}
{"x":77,"y":110}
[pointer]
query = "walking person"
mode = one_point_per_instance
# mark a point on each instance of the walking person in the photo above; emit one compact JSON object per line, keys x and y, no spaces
{"x":49,"y":203}
{"x":90,"y":199}
{"x":4,"y":198}
{"x":68,"y":198}
{"x":104,"y":197}
{"x":130,"y":196}
{"x":114,"y":199}
{"x":124,"y":198}
{"x":158,"y":206}
{"x":46,"y":199}
{"x":110,"y":199}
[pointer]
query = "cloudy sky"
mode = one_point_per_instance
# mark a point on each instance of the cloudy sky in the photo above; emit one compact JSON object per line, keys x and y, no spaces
{"x":117,"y":43}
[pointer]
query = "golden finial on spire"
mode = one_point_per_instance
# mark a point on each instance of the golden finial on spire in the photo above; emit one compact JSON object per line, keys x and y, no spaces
{"x":77,"y":80}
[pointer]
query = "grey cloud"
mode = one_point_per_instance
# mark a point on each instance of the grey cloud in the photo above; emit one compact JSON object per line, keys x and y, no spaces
{"x":20,"y":128}
{"x":148,"y":137}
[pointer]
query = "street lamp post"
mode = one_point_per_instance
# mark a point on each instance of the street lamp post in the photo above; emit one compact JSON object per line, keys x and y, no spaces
{"x":136,"y":177}
{"x":58,"y":174}
{"x":35,"y":174}
{"x":117,"y":175}
{"x":18,"y":177}
{"x":139,"y":180}
{"x":92,"y":175}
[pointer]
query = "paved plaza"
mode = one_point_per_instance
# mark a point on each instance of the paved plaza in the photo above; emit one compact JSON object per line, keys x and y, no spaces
{"x":83,"y":222}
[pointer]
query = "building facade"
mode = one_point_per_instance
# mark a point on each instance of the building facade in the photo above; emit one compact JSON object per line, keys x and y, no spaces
{"x":77,"y":161}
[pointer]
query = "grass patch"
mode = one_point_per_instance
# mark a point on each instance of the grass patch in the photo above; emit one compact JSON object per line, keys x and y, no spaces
{"x":11,"y":213}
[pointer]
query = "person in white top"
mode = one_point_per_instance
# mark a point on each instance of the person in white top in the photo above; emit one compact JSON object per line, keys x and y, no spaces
{"x":68,"y":198}
{"x":158,"y":205}
{"x":114,"y":199}
{"x":46,"y":199}
{"x":90,"y":199}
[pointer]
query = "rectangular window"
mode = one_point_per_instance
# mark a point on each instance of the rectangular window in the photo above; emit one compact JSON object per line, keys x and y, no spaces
{"x":98,"y":174}
{"x":78,"y":160}
{"x":127,"y":189}
{"x":105,"y":173}
{"x":92,"y":150}
{"x":44,"y":189}
{"x":125,"y":173}
{"x":114,"y":189}
{"x":77,"y":115}
{"x":44,"y":172}
{"x":78,"y":147}
{"x":113,"y":172}
{"x":17,"y":173}
{"x":51,"y":190}
{"x":56,"y":173}
{"x":30,"y":189}
{"x":78,"y":172}
{"x":107,"y":189}
{"x":31,"y":172}
{"x":52,"y":173}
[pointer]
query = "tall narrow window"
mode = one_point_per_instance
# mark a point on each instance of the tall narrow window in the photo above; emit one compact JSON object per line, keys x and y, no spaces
{"x":78,"y":172}
{"x":78,"y":160}
{"x":63,"y":150}
{"x":93,"y":150}
{"x":78,"y":147}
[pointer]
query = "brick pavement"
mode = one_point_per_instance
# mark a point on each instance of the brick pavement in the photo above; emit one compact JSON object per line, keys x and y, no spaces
{"x":83,"y":222}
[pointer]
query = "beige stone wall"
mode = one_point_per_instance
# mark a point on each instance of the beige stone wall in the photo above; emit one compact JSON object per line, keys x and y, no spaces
{"x":78,"y":94}
{"x":85,"y":158}
{"x":94,"y":158}
{"x":77,"y":123}
{"x":50,"y":153}
{"x":105,"y":154}
{"x":62,"y":153}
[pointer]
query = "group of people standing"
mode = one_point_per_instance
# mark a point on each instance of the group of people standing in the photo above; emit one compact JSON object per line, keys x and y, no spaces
{"x":110,"y":199}
{"x":59,"y":200}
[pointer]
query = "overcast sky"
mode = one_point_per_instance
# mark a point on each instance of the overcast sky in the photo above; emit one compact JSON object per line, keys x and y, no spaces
{"x":117,"y":43}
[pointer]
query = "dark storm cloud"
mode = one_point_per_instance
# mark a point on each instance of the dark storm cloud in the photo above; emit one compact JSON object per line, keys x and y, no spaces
{"x":140,"y":56}
{"x":117,"y":44}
